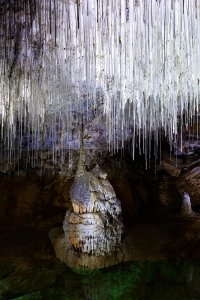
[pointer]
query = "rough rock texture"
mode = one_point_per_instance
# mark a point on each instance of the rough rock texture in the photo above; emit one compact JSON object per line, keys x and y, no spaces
{"x":93,"y":226}
{"x":184,"y":171}
{"x":77,"y":260}
{"x":172,"y":165}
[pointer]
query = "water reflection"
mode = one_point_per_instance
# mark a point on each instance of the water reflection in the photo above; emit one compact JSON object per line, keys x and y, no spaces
{"x":133,"y":281}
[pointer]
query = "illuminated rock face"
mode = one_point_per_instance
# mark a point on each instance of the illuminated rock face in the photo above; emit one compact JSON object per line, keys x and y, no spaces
{"x":93,"y":226}
{"x":186,"y":209}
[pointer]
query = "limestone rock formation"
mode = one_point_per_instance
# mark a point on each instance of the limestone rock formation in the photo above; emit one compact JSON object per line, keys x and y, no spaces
{"x":93,"y":226}
{"x":186,"y":209}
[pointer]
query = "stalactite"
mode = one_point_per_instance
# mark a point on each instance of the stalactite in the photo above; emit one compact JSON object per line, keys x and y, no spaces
{"x":55,"y":55}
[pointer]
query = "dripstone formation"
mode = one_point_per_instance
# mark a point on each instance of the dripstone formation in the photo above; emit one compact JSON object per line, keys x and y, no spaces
{"x":93,"y":226}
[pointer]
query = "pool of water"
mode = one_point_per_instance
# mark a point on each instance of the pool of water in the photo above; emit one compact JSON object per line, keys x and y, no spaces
{"x":44,"y":279}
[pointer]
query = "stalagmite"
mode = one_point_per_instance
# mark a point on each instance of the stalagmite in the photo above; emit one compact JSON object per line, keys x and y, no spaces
{"x":93,"y":226}
{"x":55,"y":56}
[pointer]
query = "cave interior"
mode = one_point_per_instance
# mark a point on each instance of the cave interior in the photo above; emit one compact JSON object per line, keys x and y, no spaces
{"x":119,"y":82}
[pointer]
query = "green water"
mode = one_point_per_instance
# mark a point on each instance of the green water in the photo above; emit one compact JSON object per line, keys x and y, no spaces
{"x":44,"y":279}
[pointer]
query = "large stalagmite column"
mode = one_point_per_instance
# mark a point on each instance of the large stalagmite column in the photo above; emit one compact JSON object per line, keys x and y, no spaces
{"x":93,"y":226}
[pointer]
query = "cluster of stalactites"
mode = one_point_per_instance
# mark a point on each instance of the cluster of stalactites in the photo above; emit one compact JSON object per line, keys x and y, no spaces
{"x":144,"y":57}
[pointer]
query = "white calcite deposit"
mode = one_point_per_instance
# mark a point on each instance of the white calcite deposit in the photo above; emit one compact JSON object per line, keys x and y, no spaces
{"x":93,"y":226}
